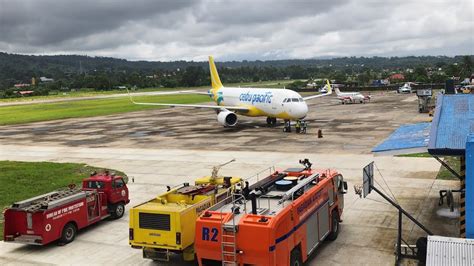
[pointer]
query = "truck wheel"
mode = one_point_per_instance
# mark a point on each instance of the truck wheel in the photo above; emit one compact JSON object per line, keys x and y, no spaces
{"x":335,"y":227}
{"x":119,"y":210}
{"x":69,"y":233}
{"x":295,"y":257}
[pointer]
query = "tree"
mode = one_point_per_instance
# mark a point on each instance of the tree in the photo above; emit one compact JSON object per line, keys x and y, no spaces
{"x":466,"y":67}
{"x":338,"y":76}
{"x":193,"y":76}
{"x":420,"y":74}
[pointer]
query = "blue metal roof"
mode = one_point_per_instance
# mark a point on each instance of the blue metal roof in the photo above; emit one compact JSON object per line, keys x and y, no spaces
{"x":453,"y":122}
{"x":414,"y":136}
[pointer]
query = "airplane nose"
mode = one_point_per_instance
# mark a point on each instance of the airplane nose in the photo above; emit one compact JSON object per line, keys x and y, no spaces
{"x":304,"y":110}
{"x":301,"y":110}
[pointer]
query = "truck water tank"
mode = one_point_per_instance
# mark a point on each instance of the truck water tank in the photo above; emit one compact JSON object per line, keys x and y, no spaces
{"x":283,"y":185}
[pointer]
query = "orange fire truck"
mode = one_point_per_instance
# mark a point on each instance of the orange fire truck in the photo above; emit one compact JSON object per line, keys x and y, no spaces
{"x":278,"y":220}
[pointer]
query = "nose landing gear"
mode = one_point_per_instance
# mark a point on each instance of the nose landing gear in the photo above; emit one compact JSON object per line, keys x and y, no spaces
{"x":287,"y":127}
{"x":271,"y":121}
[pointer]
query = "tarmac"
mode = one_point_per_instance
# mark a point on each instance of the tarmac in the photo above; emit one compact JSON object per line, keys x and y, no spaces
{"x":170,"y":146}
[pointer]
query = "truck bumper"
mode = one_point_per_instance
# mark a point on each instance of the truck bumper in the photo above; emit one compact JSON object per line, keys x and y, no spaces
{"x":156,"y":254}
{"x":25,"y":239}
{"x":166,"y":255}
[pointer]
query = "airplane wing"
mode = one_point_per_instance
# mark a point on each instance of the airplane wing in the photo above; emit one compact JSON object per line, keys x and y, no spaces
{"x":195,"y":92}
{"x":215,"y":107}
{"x":316,"y":96}
{"x":320,"y":95}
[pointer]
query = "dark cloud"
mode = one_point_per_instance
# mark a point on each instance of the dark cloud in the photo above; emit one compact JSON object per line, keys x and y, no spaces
{"x":179,"y":29}
{"x":46,"y":22}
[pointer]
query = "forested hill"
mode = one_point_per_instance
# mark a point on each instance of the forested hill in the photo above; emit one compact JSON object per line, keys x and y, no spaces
{"x":73,"y":63}
{"x":76,"y":71}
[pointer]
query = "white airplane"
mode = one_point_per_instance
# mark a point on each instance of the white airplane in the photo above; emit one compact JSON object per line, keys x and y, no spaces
{"x":351,"y":97}
{"x":406,"y":88}
{"x":232,"y":101}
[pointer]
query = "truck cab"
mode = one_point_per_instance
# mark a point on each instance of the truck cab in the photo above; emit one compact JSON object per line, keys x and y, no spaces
{"x":113,"y":186}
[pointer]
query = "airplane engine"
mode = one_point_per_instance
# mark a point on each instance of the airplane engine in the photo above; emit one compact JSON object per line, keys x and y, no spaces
{"x":227,"y":118}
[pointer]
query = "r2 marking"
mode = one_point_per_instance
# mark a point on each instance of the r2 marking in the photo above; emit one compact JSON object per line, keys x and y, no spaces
{"x":209,"y":235}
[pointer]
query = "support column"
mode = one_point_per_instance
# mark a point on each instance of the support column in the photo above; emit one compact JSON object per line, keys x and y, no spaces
{"x":467,"y":207}
{"x":462,"y":200}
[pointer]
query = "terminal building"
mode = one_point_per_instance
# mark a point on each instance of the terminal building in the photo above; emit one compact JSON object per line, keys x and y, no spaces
{"x":451,"y":133}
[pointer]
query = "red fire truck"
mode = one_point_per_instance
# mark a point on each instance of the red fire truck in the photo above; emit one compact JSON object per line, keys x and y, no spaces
{"x":59,"y":214}
{"x":279,"y":220}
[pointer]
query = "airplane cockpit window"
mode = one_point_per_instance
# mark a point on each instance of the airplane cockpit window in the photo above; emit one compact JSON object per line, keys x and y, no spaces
{"x":294,"y":100}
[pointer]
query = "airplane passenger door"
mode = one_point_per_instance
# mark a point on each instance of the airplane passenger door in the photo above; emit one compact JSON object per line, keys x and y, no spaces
{"x":287,"y":105}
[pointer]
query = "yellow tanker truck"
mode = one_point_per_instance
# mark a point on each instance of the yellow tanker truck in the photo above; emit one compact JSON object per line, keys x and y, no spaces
{"x":164,"y":227}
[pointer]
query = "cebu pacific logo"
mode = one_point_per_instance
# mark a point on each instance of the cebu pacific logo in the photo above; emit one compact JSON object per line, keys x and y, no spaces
{"x":256,"y":98}
{"x":220,"y":97}
{"x":216,"y":96}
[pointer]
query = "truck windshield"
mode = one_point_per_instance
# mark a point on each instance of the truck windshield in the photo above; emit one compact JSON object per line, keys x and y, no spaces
{"x":95,"y":184}
{"x":119,"y":183}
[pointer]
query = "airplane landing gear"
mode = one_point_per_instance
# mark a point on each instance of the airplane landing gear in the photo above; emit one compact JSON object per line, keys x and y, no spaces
{"x":287,"y":127}
{"x":271,"y":121}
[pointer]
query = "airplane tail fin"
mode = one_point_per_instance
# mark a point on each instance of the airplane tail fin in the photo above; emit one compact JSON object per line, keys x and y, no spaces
{"x":215,"y":80}
{"x":330,"y":88}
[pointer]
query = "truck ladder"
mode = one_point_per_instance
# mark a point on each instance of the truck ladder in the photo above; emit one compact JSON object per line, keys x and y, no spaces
{"x":229,"y":233}
{"x":42,"y":202}
{"x":229,"y":245}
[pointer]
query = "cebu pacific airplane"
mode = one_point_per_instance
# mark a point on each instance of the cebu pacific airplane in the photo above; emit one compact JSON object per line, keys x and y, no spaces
{"x":234,"y":101}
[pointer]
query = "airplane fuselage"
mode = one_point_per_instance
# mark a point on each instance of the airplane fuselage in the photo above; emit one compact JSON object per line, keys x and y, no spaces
{"x":275,"y":103}
{"x":352,"y":97}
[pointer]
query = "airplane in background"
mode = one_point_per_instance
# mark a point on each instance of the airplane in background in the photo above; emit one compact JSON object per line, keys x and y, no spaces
{"x":406,"y":88}
{"x":254,"y":102}
{"x":351,"y":97}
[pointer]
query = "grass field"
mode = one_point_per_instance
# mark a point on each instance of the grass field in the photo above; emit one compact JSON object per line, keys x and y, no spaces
{"x":443,"y":173}
{"x":22,"y":180}
{"x":86,"y":92}
{"x":20,"y":114}
{"x":86,"y":108}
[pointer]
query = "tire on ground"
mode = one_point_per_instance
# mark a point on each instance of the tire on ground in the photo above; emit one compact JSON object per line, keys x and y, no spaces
{"x":295,"y":257}
{"x":334,"y":226}
{"x":69,"y":233}
{"x":118,"y":210}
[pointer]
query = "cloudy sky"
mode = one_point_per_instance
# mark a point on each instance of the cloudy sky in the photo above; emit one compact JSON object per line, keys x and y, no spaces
{"x":237,"y":29}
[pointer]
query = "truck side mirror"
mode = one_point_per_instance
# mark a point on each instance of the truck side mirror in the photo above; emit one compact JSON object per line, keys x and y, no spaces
{"x":344,"y":184}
